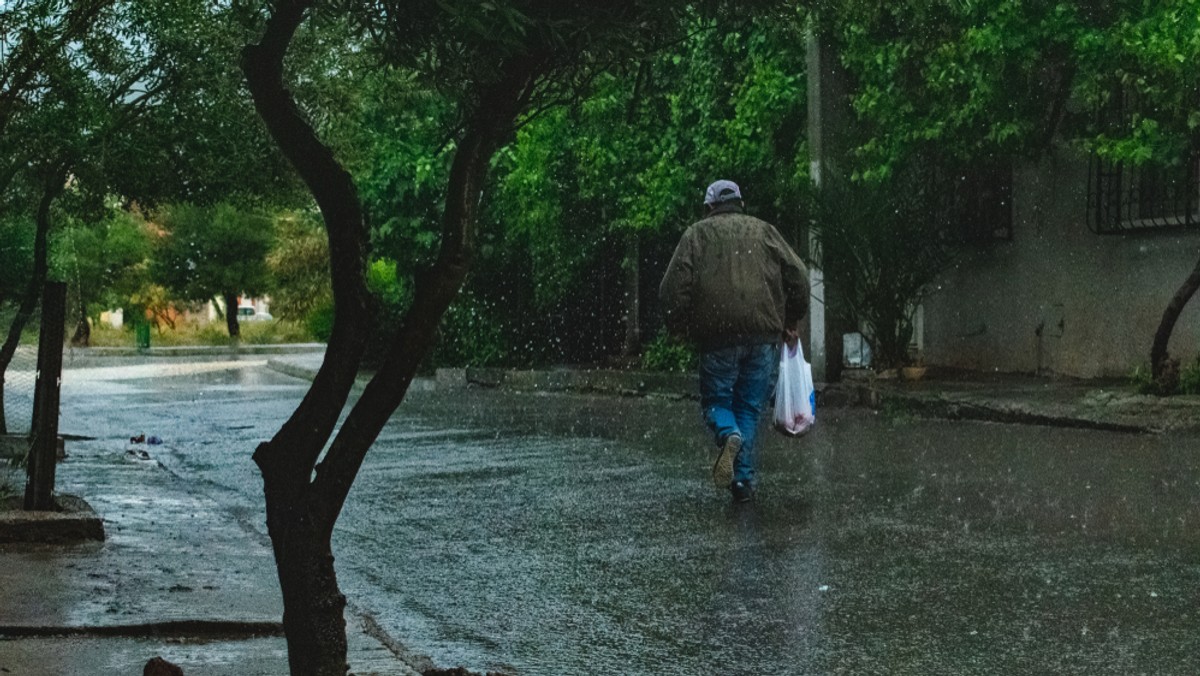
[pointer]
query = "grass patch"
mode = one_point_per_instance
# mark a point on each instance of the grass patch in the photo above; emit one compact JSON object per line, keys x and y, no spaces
{"x":205,"y":333}
{"x":897,"y":413}
{"x":664,"y":353}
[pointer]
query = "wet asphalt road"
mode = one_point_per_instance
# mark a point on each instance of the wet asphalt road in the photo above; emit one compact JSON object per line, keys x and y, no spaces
{"x":571,"y":534}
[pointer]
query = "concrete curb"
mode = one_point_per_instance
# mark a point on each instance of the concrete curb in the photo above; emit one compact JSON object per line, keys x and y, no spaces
{"x":179,"y":629}
{"x":201,"y":350}
{"x":293,"y":369}
{"x":75,"y":521}
{"x":947,"y":407}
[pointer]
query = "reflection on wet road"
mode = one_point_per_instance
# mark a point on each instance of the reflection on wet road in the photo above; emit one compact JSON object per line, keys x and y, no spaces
{"x":570,"y":534}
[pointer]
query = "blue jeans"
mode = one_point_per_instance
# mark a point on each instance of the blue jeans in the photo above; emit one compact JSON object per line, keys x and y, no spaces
{"x":735,"y":383}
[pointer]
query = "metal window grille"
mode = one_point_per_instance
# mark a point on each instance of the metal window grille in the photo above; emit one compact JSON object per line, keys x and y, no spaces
{"x":1124,"y":198}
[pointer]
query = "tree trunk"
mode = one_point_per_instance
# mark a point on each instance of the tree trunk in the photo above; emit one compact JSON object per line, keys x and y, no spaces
{"x":314,"y":606}
{"x":631,"y":266}
{"x":1160,"y":369}
{"x":632,"y":296}
{"x":83,"y":328}
{"x":302,"y":510}
{"x":313,"y":618}
{"x":231,"y":314}
{"x":29,"y":300}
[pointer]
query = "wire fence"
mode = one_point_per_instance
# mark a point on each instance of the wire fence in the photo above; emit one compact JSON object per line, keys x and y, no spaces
{"x":21,"y":374}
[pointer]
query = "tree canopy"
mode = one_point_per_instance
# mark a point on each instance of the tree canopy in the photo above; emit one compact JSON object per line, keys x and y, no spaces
{"x":219,"y":251}
{"x":977,"y":80}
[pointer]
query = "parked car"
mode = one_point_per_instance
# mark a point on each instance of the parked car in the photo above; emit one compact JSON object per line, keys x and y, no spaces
{"x":247,"y":313}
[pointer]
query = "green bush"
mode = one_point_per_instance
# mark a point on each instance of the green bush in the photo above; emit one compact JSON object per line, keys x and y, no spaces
{"x":664,"y":353}
{"x":320,"y":322}
{"x":1189,"y":378}
{"x":470,"y":334}
{"x":1185,"y":381}
{"x":391,"y":296}
{"x":884,"y":245}
{"x":1141,"y":379}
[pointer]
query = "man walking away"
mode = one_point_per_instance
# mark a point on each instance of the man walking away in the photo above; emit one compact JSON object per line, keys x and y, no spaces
{"x":735,"y":288}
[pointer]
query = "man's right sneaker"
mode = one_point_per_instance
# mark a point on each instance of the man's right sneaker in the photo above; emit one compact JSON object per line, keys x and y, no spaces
{"x":722,"y":470}
{"x":741,"y":491}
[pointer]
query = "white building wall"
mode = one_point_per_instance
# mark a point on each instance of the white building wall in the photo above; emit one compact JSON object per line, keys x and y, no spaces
{"x":1098,"y":298}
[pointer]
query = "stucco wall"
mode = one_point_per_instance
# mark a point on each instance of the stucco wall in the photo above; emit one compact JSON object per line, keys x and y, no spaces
{"x":1098,"y":298}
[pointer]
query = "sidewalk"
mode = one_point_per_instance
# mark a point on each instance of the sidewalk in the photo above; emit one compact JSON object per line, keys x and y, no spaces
{"x":1003,"y":398}
{"x":1102,"y":405}
{"x":178,"y":575}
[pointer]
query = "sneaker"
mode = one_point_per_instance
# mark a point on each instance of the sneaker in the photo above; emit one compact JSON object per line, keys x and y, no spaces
{"x":742,"y":491}
{"x":722,"y":470}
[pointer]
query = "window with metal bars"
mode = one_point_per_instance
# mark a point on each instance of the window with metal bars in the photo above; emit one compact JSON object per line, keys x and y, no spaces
{"x":1123,"y":198}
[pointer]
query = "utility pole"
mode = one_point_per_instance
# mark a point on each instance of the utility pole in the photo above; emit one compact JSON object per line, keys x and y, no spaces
{"x":828,"y":115}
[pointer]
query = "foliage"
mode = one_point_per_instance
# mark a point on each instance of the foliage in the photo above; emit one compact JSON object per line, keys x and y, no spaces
{"x":620,"y":171}
{"x":664,"y":353}
{"x":1189,"y":378}
{"x":968,"y":79}
{"x":401,"y":177}
{"x":628,"y":155}
{"x":105,"y":263}
{"x":1139,"y":56}
{"x":210,"y":251}
{"x":391,"y":296}
{"x":16,"y":256}
{"x":139,"y":98}
{"x":153,"y":303}
{"x":299,"y":268}
{"x":1142,"y":379}
{"x":1175,"y":380}
{"x":636,"y":153}
{"x":195,"y":332}
{"x":388,"y":289}
{"x":470,"y":334}
{"x":195,"y":136}
{"x":976,"y":81}
{"x":957,"y":84}
{"x":319,"y":322}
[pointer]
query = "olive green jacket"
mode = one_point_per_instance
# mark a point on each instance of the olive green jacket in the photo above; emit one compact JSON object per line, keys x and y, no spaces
{"x":733,"y":281}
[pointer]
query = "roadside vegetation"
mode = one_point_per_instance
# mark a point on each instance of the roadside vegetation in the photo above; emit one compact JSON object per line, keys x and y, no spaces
{"x":204,"y":333}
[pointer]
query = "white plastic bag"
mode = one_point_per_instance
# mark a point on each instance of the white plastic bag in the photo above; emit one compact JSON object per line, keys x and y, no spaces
{"x":795,"y":400}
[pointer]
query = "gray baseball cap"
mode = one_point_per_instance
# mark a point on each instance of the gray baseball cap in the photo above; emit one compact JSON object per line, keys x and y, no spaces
{"x":722,"y":191}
